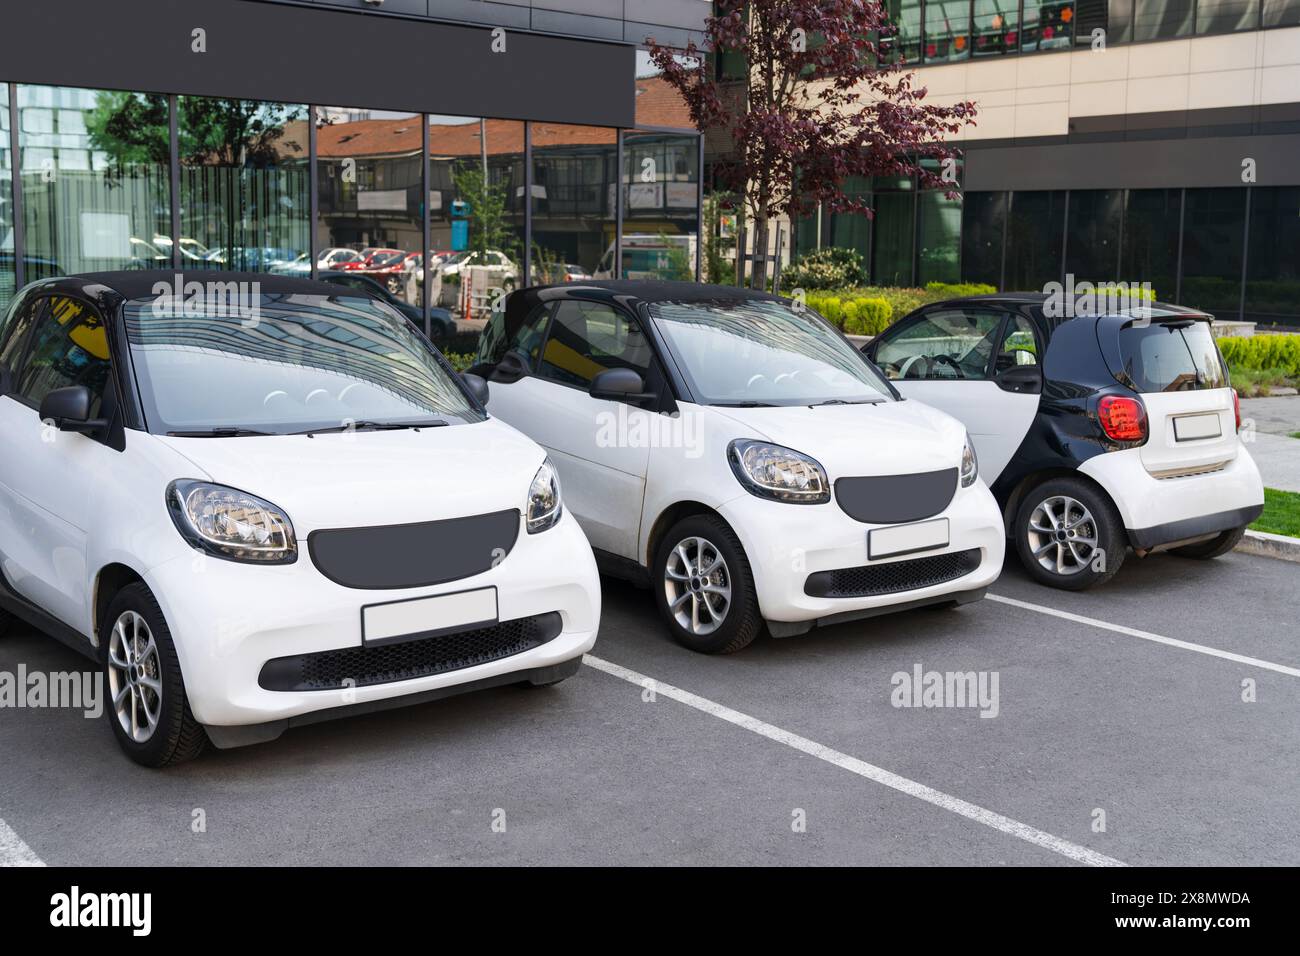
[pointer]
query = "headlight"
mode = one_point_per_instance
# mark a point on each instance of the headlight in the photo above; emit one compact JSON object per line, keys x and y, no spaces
{"x":970,"y":465}
{"x":231,"y":524}
{"x":543,"y":508}
{"x":782,"y":474}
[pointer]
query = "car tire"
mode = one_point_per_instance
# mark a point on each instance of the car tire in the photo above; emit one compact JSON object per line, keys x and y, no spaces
{"x":140,"y":664}
{"x":1069,"y":535}
{"x":713,"y":613}
{"x":1215,"y":547}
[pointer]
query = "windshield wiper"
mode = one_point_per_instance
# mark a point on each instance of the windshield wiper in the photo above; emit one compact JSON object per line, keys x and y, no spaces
{"x":847,"y":401}
{"x":369,"y":426}
{"x":224,"y":431}
{"x":744,"y":405}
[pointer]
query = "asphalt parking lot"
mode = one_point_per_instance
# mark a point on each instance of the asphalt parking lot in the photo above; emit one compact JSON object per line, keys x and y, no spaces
{"x":1133,"y":708}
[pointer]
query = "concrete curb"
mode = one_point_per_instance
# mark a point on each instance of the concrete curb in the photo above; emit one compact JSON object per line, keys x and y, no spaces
{"x":1270,"y":545}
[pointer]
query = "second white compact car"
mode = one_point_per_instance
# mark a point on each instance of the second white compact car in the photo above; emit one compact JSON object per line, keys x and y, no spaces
{"x":259,"y":501}
{"x":741,"y":457}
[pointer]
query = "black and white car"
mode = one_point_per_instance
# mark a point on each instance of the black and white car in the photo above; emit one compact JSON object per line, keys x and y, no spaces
{"x":1095,"y":433}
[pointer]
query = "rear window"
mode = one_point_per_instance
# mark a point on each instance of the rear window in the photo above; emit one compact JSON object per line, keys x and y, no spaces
{"x":1171,"y":357}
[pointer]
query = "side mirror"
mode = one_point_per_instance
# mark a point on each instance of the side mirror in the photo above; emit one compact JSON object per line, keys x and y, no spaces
{"x":1024,"y":379}
{"x":511,"y":368}
{"x":69,"y":410}
{"x":477,"y":385}
{"x":620,"y":385}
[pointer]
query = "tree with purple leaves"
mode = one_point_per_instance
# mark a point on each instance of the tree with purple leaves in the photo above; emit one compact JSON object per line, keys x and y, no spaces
{"x":822,"y":97}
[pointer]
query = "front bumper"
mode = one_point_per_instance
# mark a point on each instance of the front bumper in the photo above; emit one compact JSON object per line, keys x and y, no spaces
{"x":787,"y":543}
{"x":227,"y":620}
{"x":1160,"y":511}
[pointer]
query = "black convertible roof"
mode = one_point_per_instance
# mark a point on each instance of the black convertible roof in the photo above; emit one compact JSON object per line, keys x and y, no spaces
{"x":653,"y":290}
{"x":140,"y":283}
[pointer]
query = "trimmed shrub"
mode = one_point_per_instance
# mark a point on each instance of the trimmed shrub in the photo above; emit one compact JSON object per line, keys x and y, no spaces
{"x":1263,"y":352}
{"x":959,"y":290}
{"x":856,"y":315}
{"x":828,"y":268}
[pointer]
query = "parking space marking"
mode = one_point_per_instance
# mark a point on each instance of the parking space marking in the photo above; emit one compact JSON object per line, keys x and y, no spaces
{"x":1148,"y":636}
{"x":911,"y":788}
{"x":13,"y":851}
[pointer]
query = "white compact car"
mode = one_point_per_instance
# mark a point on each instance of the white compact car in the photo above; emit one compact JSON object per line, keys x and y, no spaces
{"x":740,"y":457}
{"x":262,"y":501}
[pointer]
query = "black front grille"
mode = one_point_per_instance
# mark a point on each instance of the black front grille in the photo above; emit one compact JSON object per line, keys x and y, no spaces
{"x":895,"y":576}
{"x":896,"y":499}
{"x":362,"y":666}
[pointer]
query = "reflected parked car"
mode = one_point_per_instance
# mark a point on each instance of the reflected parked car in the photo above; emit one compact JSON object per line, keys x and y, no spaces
{"x":441,"y":323}
{"x":450,"y":270}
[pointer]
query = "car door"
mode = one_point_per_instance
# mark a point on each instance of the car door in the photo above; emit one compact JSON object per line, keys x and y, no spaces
{"x":600,"y":447}
{"x":50,"y":477}
{"x":959,"y":360}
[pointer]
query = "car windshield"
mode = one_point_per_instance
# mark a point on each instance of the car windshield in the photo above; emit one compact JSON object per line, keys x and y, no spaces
{"x":753,"y":352}
{"x":285,"y":364}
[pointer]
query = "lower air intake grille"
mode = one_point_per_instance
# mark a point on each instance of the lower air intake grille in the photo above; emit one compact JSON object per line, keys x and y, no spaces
{"x":327,"y":670}
{"x":893,"y":577}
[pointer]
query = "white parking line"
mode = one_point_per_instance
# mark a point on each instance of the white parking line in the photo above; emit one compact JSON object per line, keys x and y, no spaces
{"x":997,"y":821}
{"x":13,"y":851}
{"x":1148,"y":636}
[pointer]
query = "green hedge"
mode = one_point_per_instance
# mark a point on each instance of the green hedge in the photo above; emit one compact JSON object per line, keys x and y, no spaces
{"x":856,"y":315}
{"x":1263,"y":352}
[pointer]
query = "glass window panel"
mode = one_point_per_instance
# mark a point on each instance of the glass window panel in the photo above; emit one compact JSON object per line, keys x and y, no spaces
{"x":8,"y":273}
{"x":245,"y":188}
{"x":939,"y":242}
{"x":1158,"y":19}
{"x":657,"y":103}
{"x":661,"y":205}
{"x":84,"y":216}
{"x":1105,"y":15}
{"x":368,"y":177}
{"x":1047,"y":24}
{"x":1273,"y":267}
{"x":1150,"y":246}
{"x":1037,"y":223}
{"x":997,"y":27}
{"x":575,"y":169}
{"x":851,"y":230}
{"x":1281,"y":13}
{"x":476,"y":210}
{"x":892,"y":256}
{"x":1213,"y":239}
{"x":1092,"y":243}
{"x":984,"y":223}
{"x":905,"y":45}
{"x":947,"y":30}
{"x":69,"y":347}
{"x":1226,"y":16}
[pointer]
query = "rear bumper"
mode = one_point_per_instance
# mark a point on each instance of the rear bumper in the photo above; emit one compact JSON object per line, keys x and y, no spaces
{"x":1160,"y":511}
{"x":1156,"y":535}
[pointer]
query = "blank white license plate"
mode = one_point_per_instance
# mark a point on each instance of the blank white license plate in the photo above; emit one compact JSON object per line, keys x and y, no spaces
{"x":1191,"y":427}
{"x":428,"y":617}
{"x":907,"y":538}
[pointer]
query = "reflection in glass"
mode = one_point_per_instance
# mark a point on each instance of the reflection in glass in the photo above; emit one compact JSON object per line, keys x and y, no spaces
{"x":947,"y":30}
{"x":892,"y":256}
{"x":1092,"y":245}
{"x":476,"y":211}
{"x":905,"y":44}
{"x":1281,"y":13}
{"x":997,"y":27}
{"x":1273,"y":266}
{"x":939,"y":238}
{"x":309,"y":362}
{"x":1158,"y":19}
{"x":574,"y":174}
{"x":1036,"y":224}
{"x":8,"y":273}
{"x":1226,"y":16}
{"x":368,"y":175}
{"x":245,"y":191}
{"x":661,"y":180}
{"x":984,"y":222}
{"x":1047,"y":24}
{"x":96,"y":181}
{"x":1150,"y":247}
{"x":1214,"y":222}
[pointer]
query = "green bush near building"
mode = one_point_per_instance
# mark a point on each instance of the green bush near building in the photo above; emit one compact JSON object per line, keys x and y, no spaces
{"x":828,"y":268}
{"x":869,"y":310}
{"x":1261,"y":352}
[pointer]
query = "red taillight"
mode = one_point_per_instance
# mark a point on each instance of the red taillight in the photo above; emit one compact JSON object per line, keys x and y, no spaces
{"x":1236,"y":407}
{"x":1122,"y":419}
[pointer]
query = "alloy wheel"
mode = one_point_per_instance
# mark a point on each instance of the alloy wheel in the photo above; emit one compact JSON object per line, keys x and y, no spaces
{"x":135,"y":677}
{"x":1062,"y":535}
{"x":697,"y":583}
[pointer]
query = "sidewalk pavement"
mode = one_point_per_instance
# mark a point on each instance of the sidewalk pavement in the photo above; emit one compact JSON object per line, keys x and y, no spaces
{"x":1278,"y":416}
{"x":1278,"y":458}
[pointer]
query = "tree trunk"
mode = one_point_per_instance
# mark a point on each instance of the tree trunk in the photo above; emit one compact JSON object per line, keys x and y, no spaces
{"x":758,"y":278}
